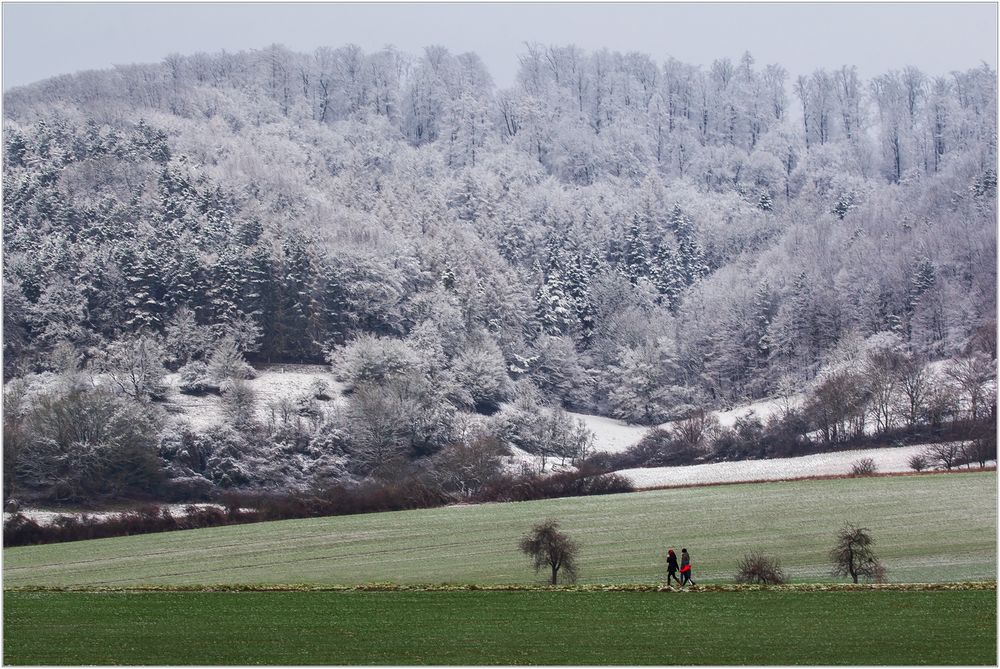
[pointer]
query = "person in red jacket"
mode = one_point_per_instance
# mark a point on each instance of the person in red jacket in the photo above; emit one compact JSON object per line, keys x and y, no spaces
{"x":672,"y":567}
{"x":686,"y":568}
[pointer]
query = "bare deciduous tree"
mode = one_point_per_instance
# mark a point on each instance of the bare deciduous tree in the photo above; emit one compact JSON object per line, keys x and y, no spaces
{"x":913,"y":382}
{"x":981,"y":448}
{"x":548,"y":547}
{"x":853,"y":555}
{"x":135,"y":366}
{"x":881,"y":374}
{"x":973,"y":376}
{"x":946,"y":454}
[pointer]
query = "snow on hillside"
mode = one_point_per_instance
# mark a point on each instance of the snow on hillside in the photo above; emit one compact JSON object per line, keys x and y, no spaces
{"x":614,"y":436}
{"x":611,"y":435}
{"x":764,"y":409}
{"x":273,"y":382}
{"x":820,"y":464}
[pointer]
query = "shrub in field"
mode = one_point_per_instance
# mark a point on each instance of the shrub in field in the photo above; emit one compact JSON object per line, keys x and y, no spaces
{"x":864,"y":467}
{"x":853,"y":555}
{"x":756,"y":567}
{"x":548,"y":547}
{"x":918,"y":462}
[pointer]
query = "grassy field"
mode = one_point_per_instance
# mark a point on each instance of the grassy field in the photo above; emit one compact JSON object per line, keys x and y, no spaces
{"x":557,"y":627}
{"x":928,"y":528}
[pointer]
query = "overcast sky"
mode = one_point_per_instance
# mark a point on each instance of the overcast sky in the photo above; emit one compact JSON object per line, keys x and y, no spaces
{"x":42,"y":40}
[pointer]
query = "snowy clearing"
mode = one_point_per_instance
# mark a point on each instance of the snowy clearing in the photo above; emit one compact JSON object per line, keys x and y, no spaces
{"x":614,"y":436}
{"x":820,"y":464}
{"x":273,"y":382}
{"x":611,"y":435}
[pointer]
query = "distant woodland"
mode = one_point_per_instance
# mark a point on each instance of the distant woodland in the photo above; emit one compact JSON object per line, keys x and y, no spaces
{"x":612,"y":235}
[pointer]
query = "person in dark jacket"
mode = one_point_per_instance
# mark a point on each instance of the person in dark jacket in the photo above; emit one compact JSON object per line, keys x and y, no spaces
{"x":686,"y":568}
{"x":672,"y":567}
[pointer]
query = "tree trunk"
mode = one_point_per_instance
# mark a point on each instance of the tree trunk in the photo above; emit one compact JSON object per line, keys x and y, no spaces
{"x":555,"y":571}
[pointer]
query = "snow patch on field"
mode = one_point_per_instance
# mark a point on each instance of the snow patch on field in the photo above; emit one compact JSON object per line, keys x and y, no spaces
{"x":43,"y":517}
{"x":820,"y":464}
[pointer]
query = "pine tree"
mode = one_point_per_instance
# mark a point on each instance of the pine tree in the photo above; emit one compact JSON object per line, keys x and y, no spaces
{"x":922,"y":279}
{"x":635,"y":264}
{"x":228,"y":277}
{"x":668,"y":276}
{"x":554,"y":307}
{"x":145,"y":300}
{"x":185,"y":277}
{"x":295,"y":299}
{"x":577,"y":284}
{"x":762,"y":314}
{"x":177,"y":194}
{"x":690,"y":258}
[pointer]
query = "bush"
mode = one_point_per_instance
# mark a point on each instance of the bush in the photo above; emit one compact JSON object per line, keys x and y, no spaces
{"x":756,"y":567}
{"x":586,"y":481}
{"x":918,"y":462}
{"x":84,"y":444}
{"x":482,"y":374}
{"x":226,"y":362}
{"x":320,"y":390}
{"x":864,"y":467}
{"x":373,"y":360}
{"x":194,"y":379}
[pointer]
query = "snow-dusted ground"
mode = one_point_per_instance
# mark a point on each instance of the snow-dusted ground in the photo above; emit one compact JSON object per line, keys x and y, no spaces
{"x":45,"y":517}
{"x":764,"y":409}
{"x":821,"y":464}
{"x":273,"y":383}
{"x":614,"y":436}
{"x":611,"y":435}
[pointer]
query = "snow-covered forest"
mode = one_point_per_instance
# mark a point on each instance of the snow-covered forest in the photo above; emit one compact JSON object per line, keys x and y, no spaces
{"x":612,"y":235}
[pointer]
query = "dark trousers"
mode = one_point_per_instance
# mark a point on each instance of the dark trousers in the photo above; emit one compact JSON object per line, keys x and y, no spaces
{"x":672,"y":574}
{"x":686,"y":578}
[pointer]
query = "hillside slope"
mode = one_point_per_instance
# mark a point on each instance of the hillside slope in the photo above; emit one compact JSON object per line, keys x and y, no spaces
{"x":928,"y":528}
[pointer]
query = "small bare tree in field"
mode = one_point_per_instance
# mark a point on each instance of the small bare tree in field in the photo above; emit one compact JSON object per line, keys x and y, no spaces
{"x":853,"y":555}
{"x":755,"y":567}
{"x":548,"y":547}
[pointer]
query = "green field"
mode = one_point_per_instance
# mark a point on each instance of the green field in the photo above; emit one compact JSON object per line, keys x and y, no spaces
{"x":557,"y":627}
{"x":928,"y":528}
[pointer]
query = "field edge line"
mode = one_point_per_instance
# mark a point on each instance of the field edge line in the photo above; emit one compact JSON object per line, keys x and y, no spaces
{"x":989,"y":585}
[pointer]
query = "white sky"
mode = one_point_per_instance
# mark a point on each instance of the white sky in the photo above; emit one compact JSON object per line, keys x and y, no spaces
{"x":43,"y":40}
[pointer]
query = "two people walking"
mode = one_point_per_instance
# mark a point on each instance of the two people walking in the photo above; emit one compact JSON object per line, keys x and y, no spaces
{"x":685,"y":568}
